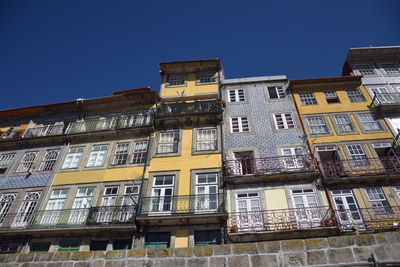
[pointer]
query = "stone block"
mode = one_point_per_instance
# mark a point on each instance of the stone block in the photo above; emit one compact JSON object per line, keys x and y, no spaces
{"x":159,"y":252}
{"x":222,"y":249}
{"x":136,"y":253}
{"x":26,"y":257}
{"x":316,"y":257}
{"x":115,"y":254}
{"x":97,"y":263}
{"x":99,"y":254}
{"x":362,"y":253}
{"x":62,"y":256}
{"x":71,"y":264}
{"x":246,"y":248}
{"x":115,"y":263}
{"x":388,"y":237}
{"x":341,"y":241}
{"x":316,"y":243}
{"x":218,"y":261}
{"x":44,"y":256}
{"x":198,"y":262}
{"x":183,"y":252}
{"x":393,"y":251}
{"x":365,"y":240}
{"x":264,"y":260}
{"x":169,"y":262}
{"x":54,"y":264}
{"x":3,"y":258}
{"x":29,"y":264}
{"x":269,"y":247}
{"x":294,"y":259}
{"x":11,"y":257}
{"x":238,"y":261}
{"x":81,"y":255}
{"x":340,"y":255}
{"x":292,"y":245}
{"x":81,"y":264}
{"x":203,"y":251}
{"x":140,"y":263}
{"x":380,"y":253}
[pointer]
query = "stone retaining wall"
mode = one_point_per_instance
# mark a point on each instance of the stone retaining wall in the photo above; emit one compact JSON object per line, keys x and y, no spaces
{"x":339,"y":250}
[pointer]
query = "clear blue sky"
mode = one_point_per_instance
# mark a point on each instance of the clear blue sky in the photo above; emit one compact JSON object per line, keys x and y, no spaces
{"x":60,"y":50}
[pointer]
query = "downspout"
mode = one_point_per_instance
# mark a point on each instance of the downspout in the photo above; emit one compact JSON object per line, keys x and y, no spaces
{"x":224,"y":231}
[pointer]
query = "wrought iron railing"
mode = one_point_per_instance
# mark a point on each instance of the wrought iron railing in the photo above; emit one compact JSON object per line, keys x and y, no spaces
{"x":281,"y":220}
{"x":369,"y":219}
{"x":269,"y":165}
{"x":386,"y":99}
{"x":361,"y":166}
{"x":193,"y":204}
{"x":179,"y":109}
{"x":66,"y":218}
{"x":45,"y":130}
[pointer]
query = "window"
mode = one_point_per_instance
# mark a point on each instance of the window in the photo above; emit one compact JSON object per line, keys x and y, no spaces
{"x":6,"y":201}
{"x":130,"y":195}
{"x":206,"y":192}
{"x":6,"y":247}
{"x":284,"y":121}
{"x":307,"y":98}
{"x":206,"y":77}
{"x":40,"y":247}
{"x":176,"y":79}
{"x":69,"y":245}
{"x":236,"y":95}
{"x":355,"y":95}
{"x":5,"y":162}
{"x":110,"y":196}
{"x":357,"y":154}
{"x":397,"y":189}
{"x":206,"y":139}
{"x":157,"y":240}
{"x":49,"y":160}
{"x":98,"y":245}
{"x":305,"y":201}
{"x":97,"y":156}
{"x":276,"y":92}
{"x":207,"y":238}
{"x":139,"y":151}
{"x":331,"y":96}
{"x":168,"y":142}
{"x":365,"y":69}
{"x":121,"y":154}
{"x":293,"y":157}
{"x":369,"y":122}
{"x":73,"y":157}
{"x":162,"y":193}
{"x":80,"y":206}
{"x":343,"y":123}
{"x":26,"y":162}
{"x":239,"y":125}
{"x":317,"y":125}
{"x":122,"y":244}
{"x":57,"y":199}
{"x":26,"y":209}
{"x":390,"y":68}
{"x":378,"y":200}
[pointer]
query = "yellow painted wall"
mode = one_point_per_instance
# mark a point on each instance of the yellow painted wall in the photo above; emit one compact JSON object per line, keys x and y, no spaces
{"x":185,"y":162}
{"x":191,"y":89}
{"x":182,"y":238}
{"x":275,"y":199}
{"x":92,"y":176}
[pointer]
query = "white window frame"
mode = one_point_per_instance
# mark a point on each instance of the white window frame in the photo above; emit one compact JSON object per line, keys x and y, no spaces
{"x":205,"y":203}
{"x":27,"y":161}
{"x":73,"y":157}
{"x":378,"y":200}
{"x":393,"y":70}
{"x":355,"y":95}
{"x":205,"y":77}
{"x":341,"y":127}
{"x":127,"y":201}
{"x":97,"y":157}
{"x":307,"y":98}
{"x":236,"y":95}
{"x":284,"y":119}
{"x":49,"y":160}
{"x":331,"y":95}
{"x":169,"y":145}
{"x":175,"y":80}
{"x":280,"y":92}
{"x":365,"y":70}
{"x":206,"y":141}
{"x":323,"y":125}
{"x":121,"y":153}
{"x":371,"y":120}
{"x":6,"y":160}
{"x":140,"y":148}
{"x":6,"y":201}
{"x":240,"y":122}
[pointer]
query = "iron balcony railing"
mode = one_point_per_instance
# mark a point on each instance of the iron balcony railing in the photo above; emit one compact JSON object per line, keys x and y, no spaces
{"x":67,"y":218}
{"x":45,"y":130}
{"x":369,"y":219}
{"x":269,"y":165}
{"x":179,"y":205}
{"x":360,"y":166}
{"x":381,"y":99}
{"x":281,"y":220}
{"x":181,"y":109}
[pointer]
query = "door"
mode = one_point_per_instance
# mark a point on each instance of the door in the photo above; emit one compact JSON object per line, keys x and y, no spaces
{"x":6,"y":201}
{"x":346,"y":209}
{"x":81,"y":206}
{"x":54,"y":208}
{"x":26,"y":209}
{"x":293,"y":158}
{"x":330,"y":162}
{"x":108,"y":204}
{"x":243,"y":163}
{"x":308,"y":214}
{"x":161,"y":195}
{"x":206,"y":192}
{"x":249,"y":216}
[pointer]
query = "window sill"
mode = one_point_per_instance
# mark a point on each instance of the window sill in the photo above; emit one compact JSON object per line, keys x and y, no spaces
{"x":206,"y":152}
{"x":162,"y":155}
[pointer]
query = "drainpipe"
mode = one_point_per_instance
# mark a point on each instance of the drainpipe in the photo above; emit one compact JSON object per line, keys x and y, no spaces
{"x":224,"y":232}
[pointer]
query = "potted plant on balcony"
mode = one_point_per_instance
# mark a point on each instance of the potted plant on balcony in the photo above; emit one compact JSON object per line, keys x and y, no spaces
{"x":234,"y":229}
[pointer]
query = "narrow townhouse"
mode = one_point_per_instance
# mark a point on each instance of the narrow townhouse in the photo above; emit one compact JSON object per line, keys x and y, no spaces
{"x":270,"y":177}
{"x":183,"y":200}
{"x":353,"y":146}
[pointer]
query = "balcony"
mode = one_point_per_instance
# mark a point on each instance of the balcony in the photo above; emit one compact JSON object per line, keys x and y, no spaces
{"x":175,"y":210}
{"x":387,"y":102}
{"x":88,"y":218}
{"x":369,"y":219}
{"x":358,"y":170}
{"x":254,"y":170}
{"x":281,"y":224}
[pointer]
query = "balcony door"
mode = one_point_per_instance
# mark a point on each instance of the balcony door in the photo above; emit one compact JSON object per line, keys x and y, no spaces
{"x":330,"y":162}
{"x":206,"y":192}
{"x":308,"y":214}
{"x":161,"y":195}
{"x":6,"y":201}
{"x":26,"y":209}
{"x":293,"y":158}
{"x":249,"y":216}
{"x":346,"y":209}
{"x":81,"y":206}
{"x":387,"y":157}
{"x":53,"y":212}
{"x":243,"y":163}
{"x":108,"y":203}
